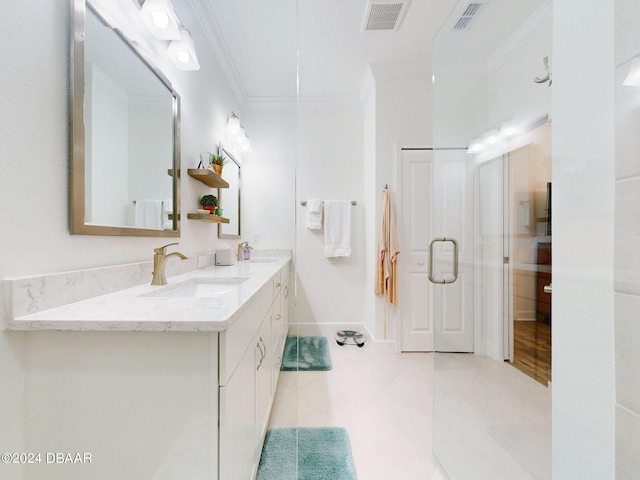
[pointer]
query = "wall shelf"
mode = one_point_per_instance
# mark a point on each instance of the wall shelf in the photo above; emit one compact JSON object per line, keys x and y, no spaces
{"x":207,"y":177}
{"x":205,"y":217}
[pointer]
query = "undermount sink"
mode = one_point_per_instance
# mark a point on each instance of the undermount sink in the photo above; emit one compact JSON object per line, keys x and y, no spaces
{"x":200,"y":287}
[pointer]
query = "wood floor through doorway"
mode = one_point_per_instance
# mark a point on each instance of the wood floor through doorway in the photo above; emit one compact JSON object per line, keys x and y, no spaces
{"x":532,"y":350}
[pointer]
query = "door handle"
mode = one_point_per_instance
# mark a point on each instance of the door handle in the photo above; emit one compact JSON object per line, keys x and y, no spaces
{"x":444,"y":281}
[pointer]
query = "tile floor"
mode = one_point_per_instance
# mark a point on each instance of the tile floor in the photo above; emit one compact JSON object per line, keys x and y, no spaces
{"x":385,"y":401}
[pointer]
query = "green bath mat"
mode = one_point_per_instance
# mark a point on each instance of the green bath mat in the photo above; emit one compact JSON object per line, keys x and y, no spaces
{"x":306,"y":353}
{"x":323,"y":454}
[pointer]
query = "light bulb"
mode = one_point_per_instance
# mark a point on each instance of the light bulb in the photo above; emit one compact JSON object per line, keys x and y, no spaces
{"x":183,"y":56}
{"x":160,"y":19}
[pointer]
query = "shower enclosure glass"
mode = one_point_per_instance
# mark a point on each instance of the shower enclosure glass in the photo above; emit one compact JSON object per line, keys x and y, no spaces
{"x":490,"y":257}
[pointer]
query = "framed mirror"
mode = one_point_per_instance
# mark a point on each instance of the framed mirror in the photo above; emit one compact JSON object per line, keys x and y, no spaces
{"x":229,"y":198}
{"x":125,"y":135}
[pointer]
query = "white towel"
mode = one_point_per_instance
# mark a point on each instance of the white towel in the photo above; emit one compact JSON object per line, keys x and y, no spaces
{"x":337,"y":228}
{"x":314,"y":214}
{"x":167,"y":209}
{"x":148,"y":214}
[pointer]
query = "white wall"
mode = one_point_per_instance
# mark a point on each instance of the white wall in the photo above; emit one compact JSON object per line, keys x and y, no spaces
{"x":330,"y":167}
{"x":627,"y":239}
{"x":583,"y":201}
{"x":269,"y":177}
{"x":370,"y":194}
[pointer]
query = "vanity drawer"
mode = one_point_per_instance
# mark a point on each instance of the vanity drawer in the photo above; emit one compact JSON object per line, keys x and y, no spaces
{"x":235,"y":341}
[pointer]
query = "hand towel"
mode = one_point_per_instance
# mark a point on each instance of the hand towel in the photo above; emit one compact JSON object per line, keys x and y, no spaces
{"x":314,"y":214}
{"x":148,"y":214}
{"x":167,"y":210}
{"x":337,"y":228}
{"x":387,"y":253}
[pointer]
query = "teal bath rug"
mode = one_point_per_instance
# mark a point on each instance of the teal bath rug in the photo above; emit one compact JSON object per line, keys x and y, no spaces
{"x":323,"y":454}
{"x":306,"y":353}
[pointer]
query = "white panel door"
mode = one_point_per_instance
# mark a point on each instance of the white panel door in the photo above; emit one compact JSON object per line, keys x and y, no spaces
{"x":414,"y":234}
{"x":453,"y":271}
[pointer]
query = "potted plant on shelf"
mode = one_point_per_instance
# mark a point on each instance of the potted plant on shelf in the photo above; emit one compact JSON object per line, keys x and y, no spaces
{"x":217,"y":161}
{"x":209,"y":202}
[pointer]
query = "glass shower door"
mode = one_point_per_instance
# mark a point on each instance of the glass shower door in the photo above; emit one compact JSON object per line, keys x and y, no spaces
{"x":491,"y":420}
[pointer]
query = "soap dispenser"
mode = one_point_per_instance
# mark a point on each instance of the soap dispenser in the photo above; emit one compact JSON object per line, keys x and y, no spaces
{"x":246,"y":251}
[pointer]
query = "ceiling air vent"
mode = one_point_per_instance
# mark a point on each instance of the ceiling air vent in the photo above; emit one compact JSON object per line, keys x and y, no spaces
{"x":466,"y":16}
{"x":383,"y":15}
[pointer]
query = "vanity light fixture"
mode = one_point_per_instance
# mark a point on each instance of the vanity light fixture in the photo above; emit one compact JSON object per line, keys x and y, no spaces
{"x":161,"y":20}
{"x":633,"y":77}
{"x":245,"y":145}
{"x":233,"y":125}
{"x":491,"y":137}
{"x":510,"y":128}
{"x":237,"y":134}
{"x":182,"y":52}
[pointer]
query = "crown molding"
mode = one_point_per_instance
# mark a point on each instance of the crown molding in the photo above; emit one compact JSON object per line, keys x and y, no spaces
{"x":540,"y":20}
{"x":211,"y":28}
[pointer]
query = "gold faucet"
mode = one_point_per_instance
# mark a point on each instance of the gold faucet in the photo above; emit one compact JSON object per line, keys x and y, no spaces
{"x":159,"y":259}
{"x":240,"y":254}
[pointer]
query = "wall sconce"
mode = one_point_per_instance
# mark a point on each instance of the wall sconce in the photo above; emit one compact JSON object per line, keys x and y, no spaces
{"x":633,"y":77}
{"x":237,"y":134}
{"x":160,"y":19}
{"x":182,"y":52}
{"x":233,"y":125}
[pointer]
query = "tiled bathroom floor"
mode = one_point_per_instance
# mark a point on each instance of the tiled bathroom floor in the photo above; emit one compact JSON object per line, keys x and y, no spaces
{"x":385,"y":401}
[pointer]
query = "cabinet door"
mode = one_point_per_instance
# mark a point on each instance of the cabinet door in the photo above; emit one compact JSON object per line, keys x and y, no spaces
{"x":237,"y":422}
{"x":263,"y":379}
{"x":280,"y":330}
{"x":285,"y":306}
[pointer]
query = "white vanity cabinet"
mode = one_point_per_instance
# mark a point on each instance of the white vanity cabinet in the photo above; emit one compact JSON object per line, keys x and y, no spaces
{"x":280,"y":323}
{"x":190,"y":379}
{"x":247,"y":380}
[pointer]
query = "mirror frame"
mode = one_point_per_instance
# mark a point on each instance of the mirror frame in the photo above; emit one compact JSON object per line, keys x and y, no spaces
{"x":77,"y":225}
{"x":229,"y":155}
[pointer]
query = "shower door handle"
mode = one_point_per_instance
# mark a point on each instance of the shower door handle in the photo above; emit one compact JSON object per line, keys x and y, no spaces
{"x":443,"y":281}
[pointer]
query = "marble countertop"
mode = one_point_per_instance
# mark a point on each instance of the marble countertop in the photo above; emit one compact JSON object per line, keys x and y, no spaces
{"x":133,"y":309}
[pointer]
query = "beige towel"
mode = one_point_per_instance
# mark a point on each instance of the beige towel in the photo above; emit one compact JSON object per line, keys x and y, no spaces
{"x":387,"y":253}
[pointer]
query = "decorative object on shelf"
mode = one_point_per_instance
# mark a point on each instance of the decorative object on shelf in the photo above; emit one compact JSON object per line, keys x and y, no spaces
{"x":237,"y":133}
{"x":217,"y":161}
{"x":218,"y":212}
{"x":209,"y":202}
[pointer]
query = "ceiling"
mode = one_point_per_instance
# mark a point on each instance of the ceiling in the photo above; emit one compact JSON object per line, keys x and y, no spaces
{"x":276,"y":49}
